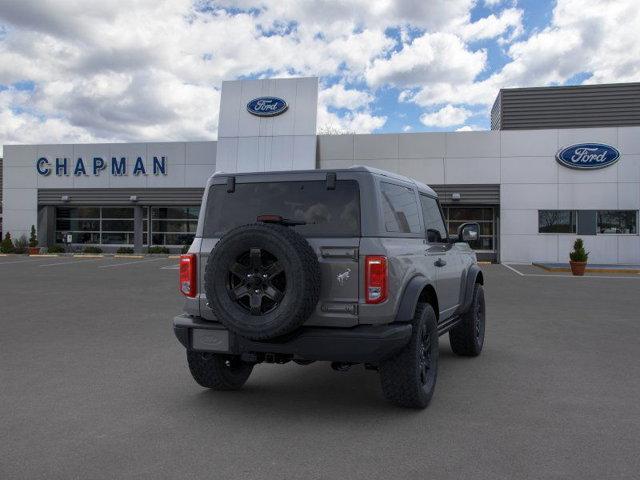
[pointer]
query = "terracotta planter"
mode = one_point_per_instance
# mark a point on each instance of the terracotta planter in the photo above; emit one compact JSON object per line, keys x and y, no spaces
{"x":34,"y":250}
{"x":578,"y":268}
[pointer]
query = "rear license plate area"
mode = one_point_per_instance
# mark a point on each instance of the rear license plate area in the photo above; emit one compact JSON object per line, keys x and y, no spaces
{"x":210,"y":340}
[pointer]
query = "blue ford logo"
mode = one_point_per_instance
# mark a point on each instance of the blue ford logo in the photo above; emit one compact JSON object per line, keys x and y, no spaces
{"x":588,"y":156}
{"x":267,"y":106}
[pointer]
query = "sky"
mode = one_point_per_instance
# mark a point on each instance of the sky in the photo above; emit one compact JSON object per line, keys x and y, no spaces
{"x":76,"y":71}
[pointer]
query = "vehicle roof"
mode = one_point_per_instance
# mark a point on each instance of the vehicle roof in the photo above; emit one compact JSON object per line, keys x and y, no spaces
{"x":355,"y":168}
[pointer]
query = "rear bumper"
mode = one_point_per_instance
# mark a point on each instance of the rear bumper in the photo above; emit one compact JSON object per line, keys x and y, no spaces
{"x":360,"y":344}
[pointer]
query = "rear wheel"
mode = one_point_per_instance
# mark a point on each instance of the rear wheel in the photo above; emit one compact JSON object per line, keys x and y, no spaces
{"x":467,"y":338}
{"x":409,"y":378}
{"x":218,"y":372}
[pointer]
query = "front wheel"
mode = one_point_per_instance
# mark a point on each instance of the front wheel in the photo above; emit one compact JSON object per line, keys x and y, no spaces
{"x":467,"y":338}
{"x":217,"y":371}
{"x":409,"y":378}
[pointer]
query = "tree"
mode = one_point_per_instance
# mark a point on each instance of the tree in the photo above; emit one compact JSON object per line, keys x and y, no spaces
{"x":7,"y":244}
{"x":33,"y":239}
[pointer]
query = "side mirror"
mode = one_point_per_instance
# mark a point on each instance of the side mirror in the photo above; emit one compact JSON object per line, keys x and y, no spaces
{"x":468,"y":232}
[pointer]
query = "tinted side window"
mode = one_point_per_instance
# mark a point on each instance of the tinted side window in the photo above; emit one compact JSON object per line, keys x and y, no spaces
{"x":399,"y":208}
{"x":434,"y":224}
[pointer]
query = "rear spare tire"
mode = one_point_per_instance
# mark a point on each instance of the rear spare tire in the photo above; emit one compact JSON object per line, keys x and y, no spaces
{"x":262,"y":280}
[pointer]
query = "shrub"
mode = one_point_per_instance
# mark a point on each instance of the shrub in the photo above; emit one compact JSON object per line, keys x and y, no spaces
{"x":158,"y":249}
{"x":33,"y":238}
{"x":125,"y":250}
{"x":578,"y":254}
{"x":7,"y":244}
{"x":55,"y":249}
{"x":21,"y":245}
{"x":185,"y":249}
{"x":91,"y":249}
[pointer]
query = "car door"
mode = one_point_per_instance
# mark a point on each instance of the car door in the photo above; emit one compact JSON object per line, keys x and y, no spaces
{"x":441,"y":257}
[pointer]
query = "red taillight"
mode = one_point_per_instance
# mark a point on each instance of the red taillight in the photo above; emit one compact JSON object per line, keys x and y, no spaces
{"x":188,"y":284}
{"x":375,"y":278}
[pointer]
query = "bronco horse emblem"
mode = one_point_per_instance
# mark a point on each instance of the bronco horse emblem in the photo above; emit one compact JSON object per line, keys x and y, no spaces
{"x":343,"y":277}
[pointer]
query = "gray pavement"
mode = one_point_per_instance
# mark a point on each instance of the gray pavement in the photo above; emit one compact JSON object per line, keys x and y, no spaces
{"x":93,"y":385}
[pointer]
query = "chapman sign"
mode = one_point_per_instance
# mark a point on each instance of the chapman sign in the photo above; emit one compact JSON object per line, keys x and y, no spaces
{"x":588,"y":156}
{"x":267,"y":106}
{"x":96,"y":165}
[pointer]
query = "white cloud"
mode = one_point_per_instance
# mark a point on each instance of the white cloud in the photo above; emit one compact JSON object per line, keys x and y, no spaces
{"x":432,"y":57}
{"x":351,"y":122}
{"x":469,"y":128}
{"x":582,"y":37}
{"x":509,"y":20}
{"x":151,"y":69}
{"x":447,"y":116}
{"x":407,"y":128}
{"x":338,"y":96}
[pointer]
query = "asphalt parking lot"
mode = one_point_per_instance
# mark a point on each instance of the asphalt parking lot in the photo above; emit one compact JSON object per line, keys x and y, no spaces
{"x":93,"y":385}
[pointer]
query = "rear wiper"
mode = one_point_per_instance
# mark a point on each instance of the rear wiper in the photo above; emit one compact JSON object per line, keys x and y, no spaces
{"x":280,"y":220}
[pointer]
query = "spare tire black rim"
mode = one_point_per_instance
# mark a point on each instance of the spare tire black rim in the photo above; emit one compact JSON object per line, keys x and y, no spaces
{"x":257,"y":281}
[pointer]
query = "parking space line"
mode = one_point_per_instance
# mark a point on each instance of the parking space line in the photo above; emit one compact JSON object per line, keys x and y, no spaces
{"x":170,"y":267}
{"x":130,"y":263}
{"x":70,"y":262}
{"x":513,"y":269}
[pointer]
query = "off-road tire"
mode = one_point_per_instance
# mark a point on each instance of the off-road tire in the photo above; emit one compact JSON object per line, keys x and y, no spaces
{"x":404,"y":382}
{"x":299,"y":264}
{"x":218,"y":372}
{"x":467,"y":337}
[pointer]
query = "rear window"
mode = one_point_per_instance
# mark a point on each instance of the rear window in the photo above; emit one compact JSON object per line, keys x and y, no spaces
{"x":327,"y":213}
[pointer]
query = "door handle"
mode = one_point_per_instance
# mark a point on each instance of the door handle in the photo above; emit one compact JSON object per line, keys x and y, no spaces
{"x":440,"y":263}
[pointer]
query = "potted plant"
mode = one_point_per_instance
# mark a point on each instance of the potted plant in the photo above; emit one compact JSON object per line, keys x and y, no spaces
{"x":7,"y":244}
{"x":33,"y":242}
{"x":578,"y":258}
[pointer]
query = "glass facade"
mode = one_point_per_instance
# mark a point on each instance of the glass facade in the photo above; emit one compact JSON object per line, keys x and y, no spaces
{"x":95,"y":225}
{"x":169,"y":226}
{"x":556,"y":221}
{"x":484,"y":216}
{"x":173,"y":225}
{"x":618,"y":221}
{"x":588,"y":222}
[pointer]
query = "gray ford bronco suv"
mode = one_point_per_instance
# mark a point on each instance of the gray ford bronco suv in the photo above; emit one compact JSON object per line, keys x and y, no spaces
{"x":348,"y":266}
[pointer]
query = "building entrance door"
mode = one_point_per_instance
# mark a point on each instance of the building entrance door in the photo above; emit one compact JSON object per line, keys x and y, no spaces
{"x":486,"y":246}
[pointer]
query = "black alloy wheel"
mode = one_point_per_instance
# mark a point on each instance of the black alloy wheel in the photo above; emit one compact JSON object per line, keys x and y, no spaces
{"x":257,"y":281}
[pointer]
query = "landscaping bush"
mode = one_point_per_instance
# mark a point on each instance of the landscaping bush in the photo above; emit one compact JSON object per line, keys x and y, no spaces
{"x":579,"y":254}
{"x":185,"y":248}
{"x":33,"y":238}
{"x":124,"y":251}
{"x":55,"y":249}
{"x":21,"y":245}
{"x":158,"y":249}
{"x":7,"y":244}
{"x":92,"y":250}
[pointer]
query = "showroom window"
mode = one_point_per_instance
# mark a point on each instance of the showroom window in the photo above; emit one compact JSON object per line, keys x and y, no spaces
{"x":618,"y":221}
{"x":556,"y":221}
{"x":95,"y":225}
{"x":173,"y":225}
{"x":484,"y":216}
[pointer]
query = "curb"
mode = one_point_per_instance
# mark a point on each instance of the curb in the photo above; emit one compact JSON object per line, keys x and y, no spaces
{"x":588,"y":270}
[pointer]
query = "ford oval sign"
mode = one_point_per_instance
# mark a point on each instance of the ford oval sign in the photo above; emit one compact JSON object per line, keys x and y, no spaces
{"x":267,"y":106}
{"x":588,"y":156}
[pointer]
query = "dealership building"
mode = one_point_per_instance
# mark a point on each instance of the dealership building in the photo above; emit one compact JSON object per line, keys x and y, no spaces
{"x":559,"y":162}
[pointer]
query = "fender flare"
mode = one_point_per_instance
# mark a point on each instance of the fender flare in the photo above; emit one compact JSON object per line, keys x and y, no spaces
{"x":471,"y":279}
{"x":409,"y":300}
